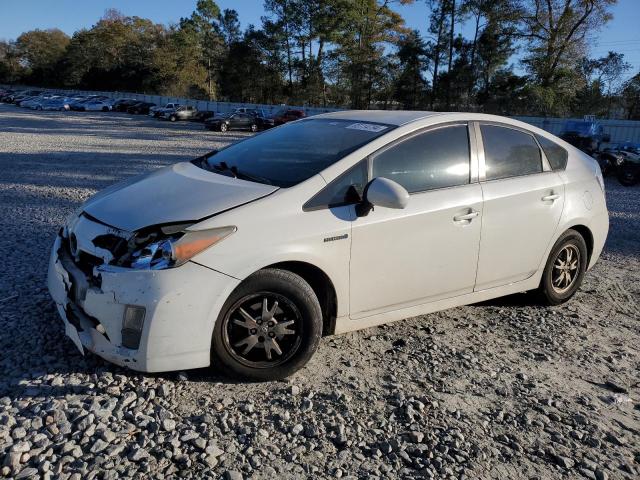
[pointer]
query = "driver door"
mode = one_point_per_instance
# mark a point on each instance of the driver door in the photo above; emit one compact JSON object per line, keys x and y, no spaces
{"x":429,"y":250}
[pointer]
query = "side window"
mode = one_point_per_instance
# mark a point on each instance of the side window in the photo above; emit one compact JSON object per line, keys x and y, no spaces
{"x":434,"y":159}
{"x":509,"y":152}
{"x":556,"y":155}
{"x":344,"y":190}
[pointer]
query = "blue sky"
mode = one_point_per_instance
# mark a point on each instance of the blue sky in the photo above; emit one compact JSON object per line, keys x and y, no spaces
{"x":621,"y":34}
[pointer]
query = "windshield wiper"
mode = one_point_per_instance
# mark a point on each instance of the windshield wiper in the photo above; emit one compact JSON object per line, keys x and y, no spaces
{"x":223,"y":167}
{"x":233,"y":170}
{"x":202,"y":159}
{"x":251,"y":177}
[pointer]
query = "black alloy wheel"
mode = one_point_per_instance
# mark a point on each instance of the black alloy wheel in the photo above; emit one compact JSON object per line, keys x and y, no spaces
{"x":263,"y":330}
{"x":269,"y":327}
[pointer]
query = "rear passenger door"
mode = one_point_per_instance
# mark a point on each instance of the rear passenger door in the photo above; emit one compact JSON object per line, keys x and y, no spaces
{"x":523,"y":201}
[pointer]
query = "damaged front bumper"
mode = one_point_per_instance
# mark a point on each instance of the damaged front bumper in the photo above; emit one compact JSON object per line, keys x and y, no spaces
{"x":180,"y":308}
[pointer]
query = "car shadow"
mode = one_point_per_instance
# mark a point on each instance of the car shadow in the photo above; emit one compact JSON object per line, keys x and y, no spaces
{"x":525,"y":299}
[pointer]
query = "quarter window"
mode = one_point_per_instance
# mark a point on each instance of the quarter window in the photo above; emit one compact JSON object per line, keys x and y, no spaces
{"x":344,"y":190}
{"x":556,"y":155}
{"x":509,"y":152}
{"x":434,"y":159}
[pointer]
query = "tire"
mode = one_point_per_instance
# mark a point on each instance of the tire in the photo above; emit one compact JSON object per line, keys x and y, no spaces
{"x":254,"y":128}
{"x":223,"y":127}
{"x":627,"y":178}
{"x":553,"y":289}
{"x":172,"y":118}
{"x":296,"y":336}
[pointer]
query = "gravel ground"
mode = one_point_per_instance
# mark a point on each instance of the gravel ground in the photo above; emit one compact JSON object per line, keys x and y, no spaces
{"x":505,"y":389}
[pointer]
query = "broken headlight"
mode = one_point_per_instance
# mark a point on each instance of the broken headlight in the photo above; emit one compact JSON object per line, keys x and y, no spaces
{"x":168,"y":248}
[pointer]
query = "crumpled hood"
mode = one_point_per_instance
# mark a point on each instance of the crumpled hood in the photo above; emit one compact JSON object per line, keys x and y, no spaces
{"x":178,"y":193}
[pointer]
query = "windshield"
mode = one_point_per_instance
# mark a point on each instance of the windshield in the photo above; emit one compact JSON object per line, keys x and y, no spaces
{"x":294,"y":152}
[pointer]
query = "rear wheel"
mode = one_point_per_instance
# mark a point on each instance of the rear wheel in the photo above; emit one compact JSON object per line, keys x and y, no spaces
{"x":565,"y":268}
{"x":254,"y":127}
{"x":269,"y":327}
{"x":223,"y":127}
{"x":172,"y":118}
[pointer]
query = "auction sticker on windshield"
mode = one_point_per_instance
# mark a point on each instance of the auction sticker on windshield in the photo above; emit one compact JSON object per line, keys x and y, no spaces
{"x":367,"y":127}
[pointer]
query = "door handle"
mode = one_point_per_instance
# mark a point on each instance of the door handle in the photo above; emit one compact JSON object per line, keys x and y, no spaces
{"x":466,"y":216}
{"x":550,"y":198}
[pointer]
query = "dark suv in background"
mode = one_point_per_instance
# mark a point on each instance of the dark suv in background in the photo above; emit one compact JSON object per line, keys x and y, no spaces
{"x":232,"y":121}
{"x":586,"y":135}
{"x":183,"y":112}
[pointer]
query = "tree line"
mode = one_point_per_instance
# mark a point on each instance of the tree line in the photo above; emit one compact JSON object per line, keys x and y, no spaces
{"x":348,"y":53}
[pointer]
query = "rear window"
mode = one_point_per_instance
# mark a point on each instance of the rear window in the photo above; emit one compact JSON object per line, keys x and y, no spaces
{"x":509,"y":152}
{"x":556,"y":155}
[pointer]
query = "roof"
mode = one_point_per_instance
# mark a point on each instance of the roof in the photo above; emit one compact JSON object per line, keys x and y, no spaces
{"x":390,"y":117}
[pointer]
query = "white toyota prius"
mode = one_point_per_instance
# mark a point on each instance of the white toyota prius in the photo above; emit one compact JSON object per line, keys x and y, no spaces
{"x":243,"y":258}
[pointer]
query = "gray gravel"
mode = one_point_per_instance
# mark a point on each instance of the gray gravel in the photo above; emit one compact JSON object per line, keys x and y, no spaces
{"x":505,"y":389}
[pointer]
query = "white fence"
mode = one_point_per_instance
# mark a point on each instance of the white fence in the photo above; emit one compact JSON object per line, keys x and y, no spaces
{"x":619,"y":130}
{"x":218,"y":107}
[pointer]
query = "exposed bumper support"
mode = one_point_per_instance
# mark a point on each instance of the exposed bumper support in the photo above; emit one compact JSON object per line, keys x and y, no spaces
{"x":181,"y":305}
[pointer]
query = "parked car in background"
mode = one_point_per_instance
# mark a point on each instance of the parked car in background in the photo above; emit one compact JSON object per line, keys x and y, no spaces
{"x":59,"y":104}
{"x":280,"y":117}
{"x":232,"y":121}
{"x":157,"y":112}
{"x":203,"y":115}
{"x":287,"y":115}
{"x":616,"y":156}
{"x":586,"y":135}
{"x":24,"y":100}
{"x":625,"y":159}
{"x":140,"y":108}
{"x":6,"y":94}
{"x":97,"y":105}
{"x":37,"y":103}
{"x":32,"y":102}
{"x":183,"y":112}
{"x":80,"y":105}
{"x":24,"y":94}
{"x":242,"y":258}
{"x":75,"y":103}
{"x":122,"y":104}
{"x":68,"y":101}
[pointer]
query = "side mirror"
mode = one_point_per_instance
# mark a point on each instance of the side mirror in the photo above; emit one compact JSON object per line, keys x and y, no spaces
{"x":382,"y":192}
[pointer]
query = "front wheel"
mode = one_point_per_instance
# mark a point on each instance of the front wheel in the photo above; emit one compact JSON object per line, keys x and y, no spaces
{"x":565,"y":268}
{"x":269,"y":327}
{"x":223,"y":127}
{"x":172,"y":118}
{"x":254,"y":127}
